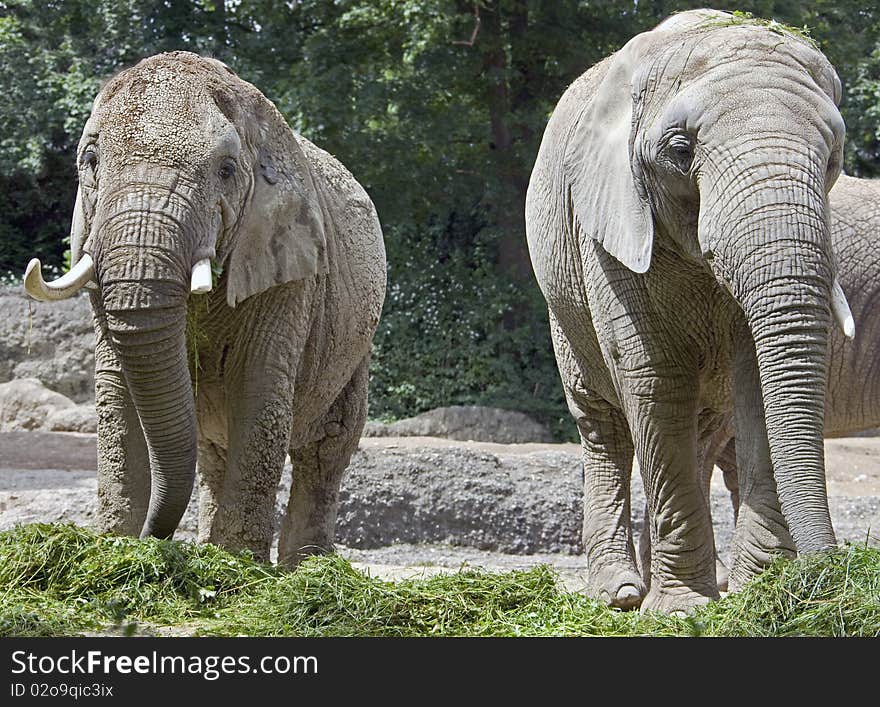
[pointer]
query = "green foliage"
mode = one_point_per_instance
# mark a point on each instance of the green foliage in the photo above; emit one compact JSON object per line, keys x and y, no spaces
{"x":863,"y":123}
{"x":834,"y":594}
{"x":442,"y":338}
{"x":32,"y":613}
{"x":196,"y":337}
{"x":65,"y":580}
{"x":328,"y":597}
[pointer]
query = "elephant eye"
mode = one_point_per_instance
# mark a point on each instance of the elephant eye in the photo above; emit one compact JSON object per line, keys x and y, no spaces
{"x":227,"y":170}
{"x":89,"y":158}
{"x":681,"y":151}
{"x":88,"y":165}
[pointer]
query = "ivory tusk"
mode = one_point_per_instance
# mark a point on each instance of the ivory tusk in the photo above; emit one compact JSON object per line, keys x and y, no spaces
{"x":200,"y":282}
{"x":841,"y":310}
{"x":65,"y":286}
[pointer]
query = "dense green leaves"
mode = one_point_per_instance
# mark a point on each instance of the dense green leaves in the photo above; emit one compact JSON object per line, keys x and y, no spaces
{"x":436,"y":106}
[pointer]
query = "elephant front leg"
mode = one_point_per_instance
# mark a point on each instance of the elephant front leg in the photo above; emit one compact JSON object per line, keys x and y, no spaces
{"x":259,"y":430}
{"x":761,"y":530}
{"x":212,"y":470}
{"x":123,"y":459}
{"x":712,"y":441}
{"x":309,"y":526}
{"x":682,"y":551}
{"x":211,"y":408}
{"x":607,"y":449}
{"x":607,"y":534}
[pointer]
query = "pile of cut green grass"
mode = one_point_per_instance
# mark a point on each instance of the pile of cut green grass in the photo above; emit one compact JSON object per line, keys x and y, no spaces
{"x":328,"y":597}
{"x":65,"y":580}
{"x":62,"y":579}
{"x":829,"y":594}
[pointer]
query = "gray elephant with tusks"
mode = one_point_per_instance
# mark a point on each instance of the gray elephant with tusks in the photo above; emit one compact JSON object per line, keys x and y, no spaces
{"x":677,"y":221}
{"x":185,"y":169}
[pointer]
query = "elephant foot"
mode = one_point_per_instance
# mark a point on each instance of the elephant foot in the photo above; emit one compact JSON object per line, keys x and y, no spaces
{"x":750,"y":564}
{"x":722,"y":574}
{"x":618,"y":588}
{"x":676,"y":601}
{"x":292,"y":554}
{"x":228,"y":532}
{"x":629,"y":596}
{"x":754,"y":554}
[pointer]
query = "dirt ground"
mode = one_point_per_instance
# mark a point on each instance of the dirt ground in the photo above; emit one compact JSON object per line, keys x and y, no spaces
{"x":413,"y":506}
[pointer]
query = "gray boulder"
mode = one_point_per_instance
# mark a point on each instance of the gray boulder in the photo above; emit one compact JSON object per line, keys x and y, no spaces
{"x":79,"y":418}
{"x":466,"y":422}
{"x":512,"y":503}
{"x":26,"y":404}
{"x":53,"y":342}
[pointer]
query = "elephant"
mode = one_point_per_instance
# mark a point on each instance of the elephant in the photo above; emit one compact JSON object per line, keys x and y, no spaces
{"x":677,"y":224}
{"x":237,"y":275}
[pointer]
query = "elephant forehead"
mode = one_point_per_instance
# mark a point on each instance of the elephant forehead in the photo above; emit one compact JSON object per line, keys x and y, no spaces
{"x":163,"y":116}
{"x":707,"y":53}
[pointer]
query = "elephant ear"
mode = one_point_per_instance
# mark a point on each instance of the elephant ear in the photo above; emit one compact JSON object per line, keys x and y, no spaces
{"x":608,"y":194}
{"x":281,"y":235}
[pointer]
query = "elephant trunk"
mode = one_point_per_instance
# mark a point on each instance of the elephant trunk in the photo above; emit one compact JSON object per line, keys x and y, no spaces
{"x":790,"y":331}
{"x":144,"y":283}
{"x":152,"y":351}
{"x":776,"y":262}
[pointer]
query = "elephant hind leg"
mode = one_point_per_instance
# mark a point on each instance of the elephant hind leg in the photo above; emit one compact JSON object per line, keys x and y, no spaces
{"x":309,"y":525}
{"x":727,"y":463}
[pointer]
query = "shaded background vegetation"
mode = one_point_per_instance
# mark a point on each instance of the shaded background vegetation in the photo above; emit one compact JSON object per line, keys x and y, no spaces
{"x":436,"y":106}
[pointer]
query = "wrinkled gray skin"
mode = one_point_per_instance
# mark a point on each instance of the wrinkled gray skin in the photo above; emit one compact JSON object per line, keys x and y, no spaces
{"x":852,"y":396}
{"x":677,"y":225}
{"x":182,"y":160}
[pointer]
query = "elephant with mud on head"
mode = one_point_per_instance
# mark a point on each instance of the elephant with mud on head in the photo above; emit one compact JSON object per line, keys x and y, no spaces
{"x":852,"y":394}
{"x":677,"y":221}
{"x":237,"y":276}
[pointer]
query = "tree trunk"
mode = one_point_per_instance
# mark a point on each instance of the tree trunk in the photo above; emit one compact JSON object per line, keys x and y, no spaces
{"x":501,"y":28}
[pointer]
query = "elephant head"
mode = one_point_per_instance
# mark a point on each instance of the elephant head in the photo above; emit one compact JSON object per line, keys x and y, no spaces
{"x":182,"y":166}
{"x":718,"y":139}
